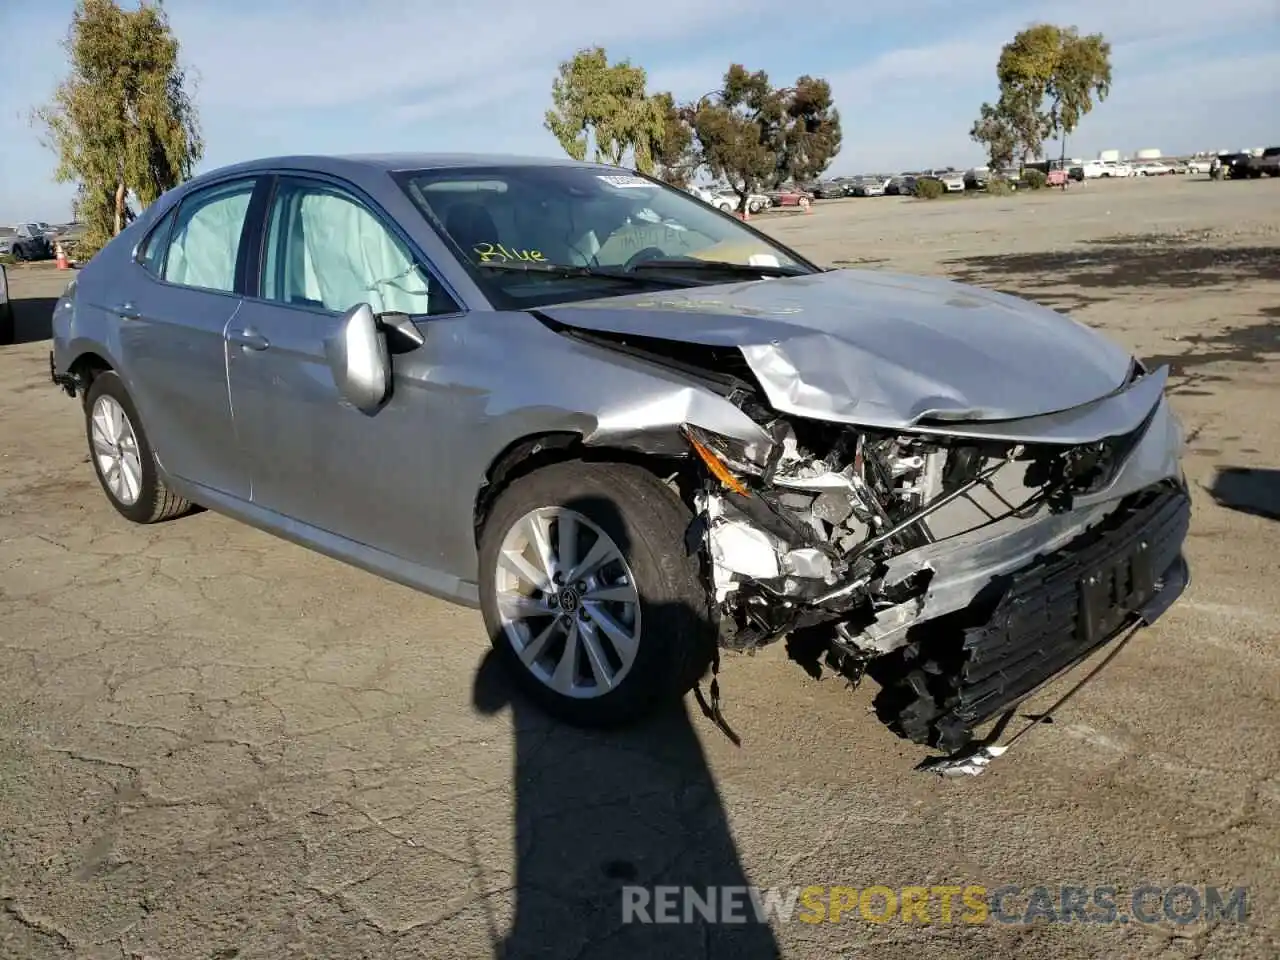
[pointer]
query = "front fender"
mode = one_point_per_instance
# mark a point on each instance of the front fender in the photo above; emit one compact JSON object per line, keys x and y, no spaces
{"x":486,"y":381}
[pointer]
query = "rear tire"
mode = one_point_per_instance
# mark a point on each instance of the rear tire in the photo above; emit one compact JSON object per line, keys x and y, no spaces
{"x":667,"y":633}
{"x":122,"y":458}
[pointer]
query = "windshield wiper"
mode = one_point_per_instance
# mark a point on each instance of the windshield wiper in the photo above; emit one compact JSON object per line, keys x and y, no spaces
{"x":718,"y":266}
{"x":569,"y":270}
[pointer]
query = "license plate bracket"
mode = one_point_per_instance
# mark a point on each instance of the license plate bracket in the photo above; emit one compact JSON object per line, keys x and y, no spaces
{"x":1113,"y":591}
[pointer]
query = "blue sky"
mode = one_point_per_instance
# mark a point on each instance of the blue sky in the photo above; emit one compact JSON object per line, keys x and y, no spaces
{"x":299,"y":76}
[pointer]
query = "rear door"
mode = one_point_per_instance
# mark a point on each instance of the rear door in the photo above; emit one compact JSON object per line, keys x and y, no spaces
{"x":184,"y":288}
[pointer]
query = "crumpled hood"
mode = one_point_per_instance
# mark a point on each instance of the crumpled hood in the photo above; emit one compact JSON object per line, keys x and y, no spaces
{"x":879,"y":349}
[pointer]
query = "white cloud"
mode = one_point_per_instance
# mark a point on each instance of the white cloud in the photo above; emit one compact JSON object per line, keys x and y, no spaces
{"x":284,"y":76}
{"x":1188,"y":106}
{"x":970,"y":55}
{"x":927,"y":95}
{"x":388,"y":53}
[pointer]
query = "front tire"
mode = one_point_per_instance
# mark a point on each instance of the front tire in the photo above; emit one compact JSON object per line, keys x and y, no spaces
{"x":122,"y":456}
{"x":589,"y":595}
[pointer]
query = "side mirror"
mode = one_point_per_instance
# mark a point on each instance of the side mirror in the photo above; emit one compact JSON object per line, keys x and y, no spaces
{"x":359,"y":359}
{"x":402,"y":334}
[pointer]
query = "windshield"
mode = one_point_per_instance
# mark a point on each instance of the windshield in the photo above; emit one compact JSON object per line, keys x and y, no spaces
{"x":515,"y":226}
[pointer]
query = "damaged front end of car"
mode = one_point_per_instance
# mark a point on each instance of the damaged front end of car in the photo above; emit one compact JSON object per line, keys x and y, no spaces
{"x":961,"y":565}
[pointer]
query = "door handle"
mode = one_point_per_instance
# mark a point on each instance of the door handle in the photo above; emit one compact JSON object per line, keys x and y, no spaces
{"x":250,"y":339}
{"x":127,"y":311}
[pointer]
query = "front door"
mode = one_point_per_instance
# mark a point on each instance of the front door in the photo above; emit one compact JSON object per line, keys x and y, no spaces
{"x":315,"y":458}
{"x":173,"y":316}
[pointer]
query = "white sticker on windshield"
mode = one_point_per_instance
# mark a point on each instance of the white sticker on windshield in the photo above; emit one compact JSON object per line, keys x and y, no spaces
{"x":615,"y":180}
{"x":763,"y":260}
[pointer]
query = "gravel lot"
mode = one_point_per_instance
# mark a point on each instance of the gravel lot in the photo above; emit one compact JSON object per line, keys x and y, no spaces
{"x":214,"y":744}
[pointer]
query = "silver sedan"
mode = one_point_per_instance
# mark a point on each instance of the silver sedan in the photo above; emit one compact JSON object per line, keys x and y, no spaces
{"x":630,"y":428}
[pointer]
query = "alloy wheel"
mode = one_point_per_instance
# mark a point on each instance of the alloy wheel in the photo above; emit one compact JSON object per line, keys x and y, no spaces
{"x":115,"y":450}
{"x":567,"y":602}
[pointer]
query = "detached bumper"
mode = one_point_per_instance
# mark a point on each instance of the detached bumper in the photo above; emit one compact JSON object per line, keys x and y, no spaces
{"x":1049,"y":615}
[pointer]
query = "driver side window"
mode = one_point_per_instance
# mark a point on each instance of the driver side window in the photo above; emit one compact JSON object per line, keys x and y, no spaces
{"x":328,"y":251}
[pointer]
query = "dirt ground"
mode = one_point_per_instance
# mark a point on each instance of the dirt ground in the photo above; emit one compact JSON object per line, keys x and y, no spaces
{"x":214,"y":744}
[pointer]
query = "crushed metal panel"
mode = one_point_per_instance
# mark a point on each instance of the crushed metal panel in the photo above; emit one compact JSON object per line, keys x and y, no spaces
{"x":877,"y":350}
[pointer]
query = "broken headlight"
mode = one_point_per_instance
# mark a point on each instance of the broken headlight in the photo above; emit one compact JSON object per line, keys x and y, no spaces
{"x":726,"y":458}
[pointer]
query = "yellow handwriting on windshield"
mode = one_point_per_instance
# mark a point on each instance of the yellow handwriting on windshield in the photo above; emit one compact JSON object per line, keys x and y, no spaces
{"x":497,"y":253}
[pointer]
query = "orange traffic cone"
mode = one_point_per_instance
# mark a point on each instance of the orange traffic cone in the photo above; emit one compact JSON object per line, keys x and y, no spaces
{"x":63,"y":263}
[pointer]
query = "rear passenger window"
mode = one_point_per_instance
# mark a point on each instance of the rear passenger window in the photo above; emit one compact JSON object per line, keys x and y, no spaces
{"x":205,"y":240}
{"x":151,"y":250}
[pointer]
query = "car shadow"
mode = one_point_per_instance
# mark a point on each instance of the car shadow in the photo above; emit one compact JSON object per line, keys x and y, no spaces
{"x":1252,"y":490}
{"x":32,"y":320}
{"x":1086,"y":275}
{"x":597,"y":812}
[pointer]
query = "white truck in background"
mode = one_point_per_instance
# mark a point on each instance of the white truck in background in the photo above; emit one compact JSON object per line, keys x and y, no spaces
{"x":1115,"y":168}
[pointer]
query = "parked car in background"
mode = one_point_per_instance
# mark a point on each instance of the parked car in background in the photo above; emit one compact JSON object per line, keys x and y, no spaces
{"x":788,"y":196}
{"x":825,"y":190}
{"x":1152,"y":168}
{"x":1115,"y":168}
{"x":1267,"y":164}
{"x":1198,"y":165}
{"x":870,"y":187}
{"x":7,"y":332}
{"x":977,"y":178}
{"x":903,"y":185}
{"x":626,"y":427}
{"x":728,"y":201}
{"x":952,"y":181}
{"x":29,"y":243}
{"x":1232,"y":166}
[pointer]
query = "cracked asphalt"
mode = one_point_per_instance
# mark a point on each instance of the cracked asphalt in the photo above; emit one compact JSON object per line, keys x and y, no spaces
{"x":214,"y":744}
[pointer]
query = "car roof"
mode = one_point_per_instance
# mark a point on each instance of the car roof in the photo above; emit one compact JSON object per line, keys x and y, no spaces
{"x":355,"y":166}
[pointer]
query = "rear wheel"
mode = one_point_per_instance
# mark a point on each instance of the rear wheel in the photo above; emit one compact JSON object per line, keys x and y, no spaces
{"x":589,"y":595}
{"x":122,"y":456}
